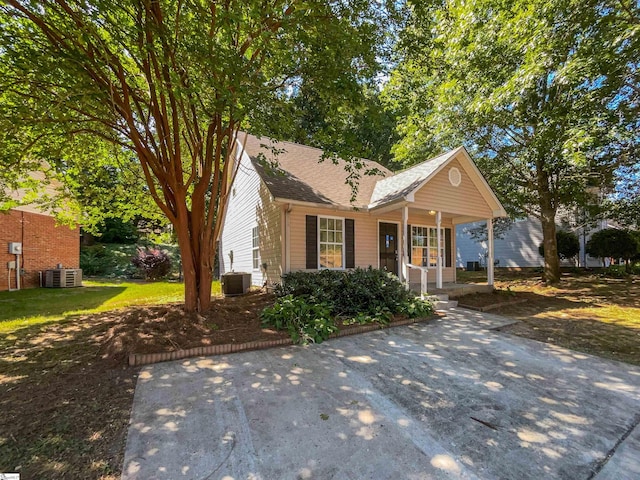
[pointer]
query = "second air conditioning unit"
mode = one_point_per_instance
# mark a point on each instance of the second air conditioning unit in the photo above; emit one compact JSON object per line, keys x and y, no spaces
{"x":63,"y":278}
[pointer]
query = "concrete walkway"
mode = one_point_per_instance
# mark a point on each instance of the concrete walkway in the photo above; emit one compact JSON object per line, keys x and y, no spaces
{"x":450,"y":399}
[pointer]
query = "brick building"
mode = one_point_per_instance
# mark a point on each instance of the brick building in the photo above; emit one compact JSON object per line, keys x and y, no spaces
{"x":44,"y":245}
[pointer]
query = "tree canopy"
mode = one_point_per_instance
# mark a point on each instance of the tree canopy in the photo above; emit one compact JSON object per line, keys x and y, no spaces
{"x":172,"y":82}
{"x":544,"y":93}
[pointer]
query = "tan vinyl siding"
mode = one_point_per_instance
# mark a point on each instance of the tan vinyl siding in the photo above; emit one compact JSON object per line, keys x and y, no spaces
{"x":465,"y":199}
{"x":366,"y":237}
{"x":270,"y":220}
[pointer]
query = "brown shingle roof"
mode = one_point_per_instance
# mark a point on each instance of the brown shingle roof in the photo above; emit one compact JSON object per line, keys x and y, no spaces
{"x":297,"y":173}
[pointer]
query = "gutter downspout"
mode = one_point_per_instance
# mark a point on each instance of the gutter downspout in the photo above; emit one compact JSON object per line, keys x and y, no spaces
{"x":404,"y":253}
{"x":287,"y":239}
{"x":439,"y":250}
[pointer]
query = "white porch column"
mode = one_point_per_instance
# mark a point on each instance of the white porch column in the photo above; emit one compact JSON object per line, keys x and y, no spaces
{"x":490,"y":257}
{"x":404,"y":253}
{"x":439,"y":255}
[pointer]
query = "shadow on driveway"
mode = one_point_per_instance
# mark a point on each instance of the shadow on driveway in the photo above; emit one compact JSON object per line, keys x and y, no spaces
{"x":451,"y":399}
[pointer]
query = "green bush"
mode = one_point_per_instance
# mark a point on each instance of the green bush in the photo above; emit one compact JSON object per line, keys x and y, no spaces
{"x":306,"y":320}
{"x":567,"y":243}
{"x":95,"y":260}
{"x":349,"y":293}
{"x":309,"y":303}
{"x":615,"y":271}
{"x":613,"y":243}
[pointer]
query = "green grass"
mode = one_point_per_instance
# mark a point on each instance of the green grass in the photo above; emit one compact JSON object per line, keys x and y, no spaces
{"x":43,"y":305}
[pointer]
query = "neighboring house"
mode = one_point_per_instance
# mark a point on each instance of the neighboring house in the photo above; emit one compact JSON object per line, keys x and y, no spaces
{"x":44,"y":244}
{"x":299,"y":215}
{"x":518,"y":247}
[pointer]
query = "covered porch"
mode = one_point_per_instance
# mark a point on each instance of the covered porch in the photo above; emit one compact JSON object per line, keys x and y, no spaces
{"x":428,"y":201}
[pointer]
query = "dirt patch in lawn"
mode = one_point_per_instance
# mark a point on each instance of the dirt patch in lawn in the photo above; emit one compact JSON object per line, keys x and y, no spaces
{"x":67,"y":392}
{"x":589,"y":313}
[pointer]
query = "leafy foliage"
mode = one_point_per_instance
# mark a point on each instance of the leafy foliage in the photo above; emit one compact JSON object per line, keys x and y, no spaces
{"x":167,"y":86}
{"x":568,"y":245}
{"x":95,"y":260}
{"x":306,"y":321}
{"x":153,"y":262}
{"x":613,"y":243}
{"x":115,"y":230}
{"x":350,"y":293}
{"x":545,"y":94}
{"x":360,"y":296}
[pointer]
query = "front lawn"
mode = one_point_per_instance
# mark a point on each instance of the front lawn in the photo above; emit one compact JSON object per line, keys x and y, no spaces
{"x":43,"y":305}
{"x":65,"y":402}
{"x":588,"y":312}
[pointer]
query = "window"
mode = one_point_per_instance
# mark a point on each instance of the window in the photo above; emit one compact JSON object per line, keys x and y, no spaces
{"x":331,"y":242}
{"x":424,"y":250}
{"x":256,"y":248}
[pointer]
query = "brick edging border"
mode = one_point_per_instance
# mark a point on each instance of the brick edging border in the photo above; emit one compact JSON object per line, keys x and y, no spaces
{"x":139,"y":359}
{"x":494,"y":306}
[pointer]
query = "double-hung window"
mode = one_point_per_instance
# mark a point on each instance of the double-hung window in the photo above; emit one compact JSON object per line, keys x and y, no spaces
{"x":331,"y":242}
{"x":424,"y":246}
{"x":255,"y":251}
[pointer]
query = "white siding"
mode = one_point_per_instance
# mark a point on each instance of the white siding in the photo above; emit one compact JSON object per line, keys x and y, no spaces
{"x":517,"y":248}
{"x":249,"y":206}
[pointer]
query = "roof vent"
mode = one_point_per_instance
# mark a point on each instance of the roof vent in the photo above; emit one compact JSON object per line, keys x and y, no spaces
{"x":455,"y":178}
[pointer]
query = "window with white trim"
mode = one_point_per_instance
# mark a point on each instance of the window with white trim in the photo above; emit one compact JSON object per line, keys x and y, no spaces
{"x":331,"y":242}
{"x":424,"y":246}
{"x":255,"y":252}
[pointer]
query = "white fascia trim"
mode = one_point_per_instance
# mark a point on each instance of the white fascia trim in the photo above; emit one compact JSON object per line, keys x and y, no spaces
{"x":344,"y":208}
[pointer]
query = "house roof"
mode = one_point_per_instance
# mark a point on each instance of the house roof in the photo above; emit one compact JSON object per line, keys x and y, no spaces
{"x":398,"y":186}
{"x":300,"y":175}
{"x":294,"y":172}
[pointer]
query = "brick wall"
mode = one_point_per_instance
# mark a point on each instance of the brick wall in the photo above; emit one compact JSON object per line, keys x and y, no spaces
{"x":44,"y":245}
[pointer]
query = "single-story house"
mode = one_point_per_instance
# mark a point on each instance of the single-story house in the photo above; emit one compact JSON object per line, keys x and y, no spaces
{"x":42,"y":242}
{"x":290,"y":211}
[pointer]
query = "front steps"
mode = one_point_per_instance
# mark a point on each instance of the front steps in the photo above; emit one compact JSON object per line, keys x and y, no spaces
{"x":441,"y":301}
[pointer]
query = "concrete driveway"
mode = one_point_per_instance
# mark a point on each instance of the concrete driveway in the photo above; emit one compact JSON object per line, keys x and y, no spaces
{"x":450,"y":399}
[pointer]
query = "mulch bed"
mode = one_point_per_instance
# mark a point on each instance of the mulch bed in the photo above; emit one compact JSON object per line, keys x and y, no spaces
{"x":490,"y":301}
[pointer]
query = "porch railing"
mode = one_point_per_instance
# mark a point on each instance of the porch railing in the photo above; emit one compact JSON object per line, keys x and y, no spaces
{"x":423,"y":279}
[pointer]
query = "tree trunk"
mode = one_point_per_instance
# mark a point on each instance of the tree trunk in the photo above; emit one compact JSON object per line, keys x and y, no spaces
{"x":548,"y":221}
{"x":191,"y":287}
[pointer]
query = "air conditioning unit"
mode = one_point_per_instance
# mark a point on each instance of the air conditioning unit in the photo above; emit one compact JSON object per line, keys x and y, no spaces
{"x":235,"y":283}
{"x":63,"y":278}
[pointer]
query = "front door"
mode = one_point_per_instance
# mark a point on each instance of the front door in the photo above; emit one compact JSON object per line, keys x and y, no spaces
{"x":389,"y":247}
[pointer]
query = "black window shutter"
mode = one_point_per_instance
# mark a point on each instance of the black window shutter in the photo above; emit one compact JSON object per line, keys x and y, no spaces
{"x":312,"y":241}
{"x":447,"y":247}
{"x":349,"y":238}
{"x":409,"y":242}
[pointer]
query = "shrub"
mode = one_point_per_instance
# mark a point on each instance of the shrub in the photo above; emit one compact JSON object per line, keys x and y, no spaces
{"x":306,"y":320}
{"x":365,"y":291}
{"x":612,"y":243}
{"x":152,"y":262}
{"x":95,"y":260}
{"x":615,"y":271}
{"x":567,"y":243}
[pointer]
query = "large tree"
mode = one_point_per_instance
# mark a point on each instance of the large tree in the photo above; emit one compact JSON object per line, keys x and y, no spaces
{"x":173,"y":82}
{"x":544,"y":92}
